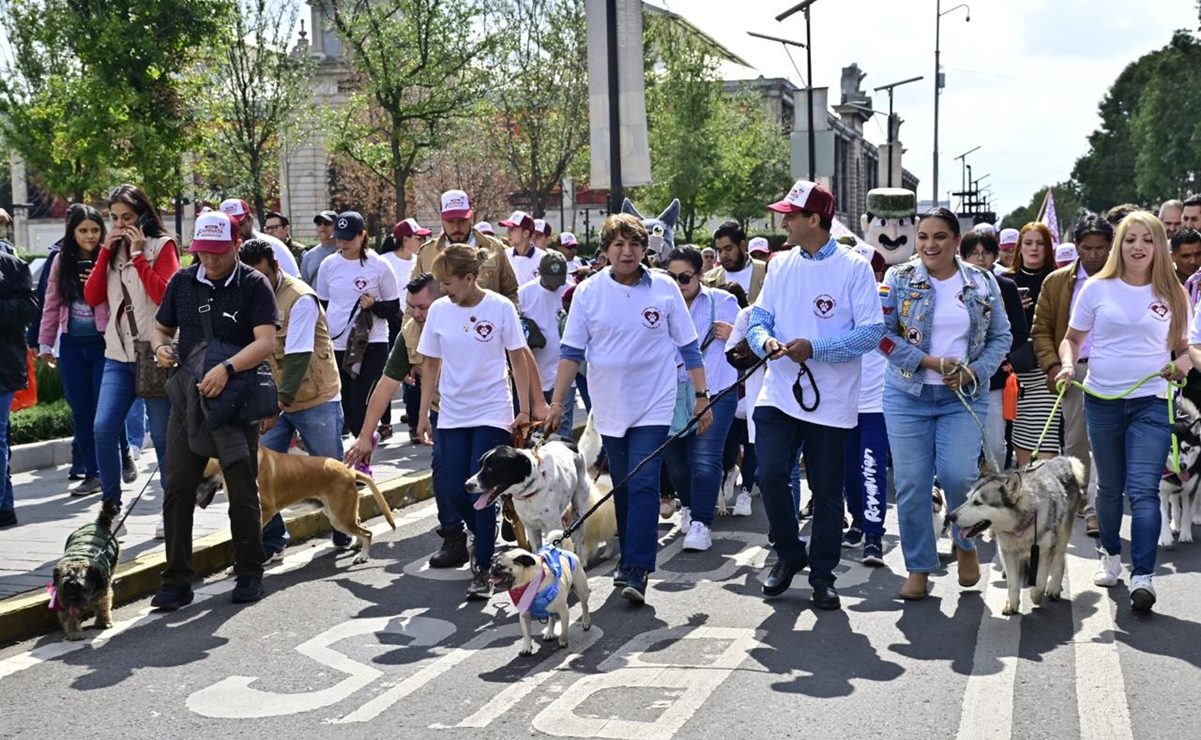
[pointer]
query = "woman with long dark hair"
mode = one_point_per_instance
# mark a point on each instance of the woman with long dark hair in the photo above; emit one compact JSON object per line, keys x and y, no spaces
{"x":1033,"y":261}
{"x":78,"y":330}
{"x":135,"y":262}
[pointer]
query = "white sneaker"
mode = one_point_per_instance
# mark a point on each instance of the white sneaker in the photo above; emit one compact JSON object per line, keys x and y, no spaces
{"x":685,"y":519}
{"x":160,"y":530}
{"x":1111,"y":568}
{"x":698,"y":538}
{"x":742,"y":505}
{"x":1142,"y":593}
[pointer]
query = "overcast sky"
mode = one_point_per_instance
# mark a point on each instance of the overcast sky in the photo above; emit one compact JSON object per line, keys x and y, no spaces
{"x":1023,"y":77}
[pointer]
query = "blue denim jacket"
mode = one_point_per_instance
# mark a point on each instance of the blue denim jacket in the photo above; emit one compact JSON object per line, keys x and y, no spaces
{"x":907,"y":296}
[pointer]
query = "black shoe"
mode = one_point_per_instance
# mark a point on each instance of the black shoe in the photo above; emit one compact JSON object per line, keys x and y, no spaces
{"x":172,"y":596}
{"x":825,"y":597}
{"x":341,"y":540}
{"x":385,"y":432}
{"x":781,"y":575}
{"x":8,"y":517}
{"x":807,"y":511}
{"x":90,"y":485}
{"x":248,"y":590}
{"x":453,"y":552}
{"x":76,"y":475}
{"x":620,"y":577}
{"x":873,"y":551}
{"x":129,"y":470}
{"x":635,"y":586}
{"x":852,"y":537}
{"x":480,"y":588}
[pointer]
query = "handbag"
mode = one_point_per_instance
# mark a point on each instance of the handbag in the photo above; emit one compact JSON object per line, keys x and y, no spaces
{"x":249,"y":396}
{"x":27,"y":397}
{"x":1023,"y":359}
{"x":150,"y":380}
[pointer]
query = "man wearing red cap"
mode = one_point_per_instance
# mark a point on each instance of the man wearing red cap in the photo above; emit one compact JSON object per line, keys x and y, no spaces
{"x":243,"y":221}
{"x":817,"y":315}
{"x":496,"y":274}
{"x":541,"y":235}
{"x":522,"y":253}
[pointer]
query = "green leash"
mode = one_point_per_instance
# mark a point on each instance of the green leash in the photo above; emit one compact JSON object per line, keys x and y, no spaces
{"x":1172,"y":387}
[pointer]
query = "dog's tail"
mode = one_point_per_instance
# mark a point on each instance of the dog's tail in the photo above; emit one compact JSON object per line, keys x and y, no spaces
{"x":108,"y":514}
{"x":1079,"y":472}
{"x":384,"y":507}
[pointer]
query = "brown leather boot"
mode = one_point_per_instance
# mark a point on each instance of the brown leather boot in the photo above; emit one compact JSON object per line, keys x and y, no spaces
{"x":969,"y":567}
{"x":916,"y":587}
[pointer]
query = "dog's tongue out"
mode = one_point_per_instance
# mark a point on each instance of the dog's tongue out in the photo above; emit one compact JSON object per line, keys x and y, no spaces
{"x":483,"y":501}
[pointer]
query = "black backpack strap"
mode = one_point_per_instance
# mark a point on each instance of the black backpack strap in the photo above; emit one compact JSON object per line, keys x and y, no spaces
{"x":206,"y":310}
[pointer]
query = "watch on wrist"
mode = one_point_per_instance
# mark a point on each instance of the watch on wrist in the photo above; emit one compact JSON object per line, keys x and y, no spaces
{"x":702,"y":394}
{"x":229,"y":367}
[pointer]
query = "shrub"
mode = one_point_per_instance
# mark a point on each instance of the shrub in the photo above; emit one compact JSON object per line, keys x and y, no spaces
{"x":42,"y":422}
{"x":50,"y":383}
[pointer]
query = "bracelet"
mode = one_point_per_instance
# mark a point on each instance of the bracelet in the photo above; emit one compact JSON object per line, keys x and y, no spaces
{"x":555,"y":403}
{"x":164,"y":344}
{"x":942,"y":369}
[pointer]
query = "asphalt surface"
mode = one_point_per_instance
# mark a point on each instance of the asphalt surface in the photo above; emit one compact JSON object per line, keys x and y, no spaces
{"x":390,"y":648}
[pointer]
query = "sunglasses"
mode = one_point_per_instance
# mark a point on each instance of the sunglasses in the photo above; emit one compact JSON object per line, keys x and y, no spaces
{"x":682,"y":278}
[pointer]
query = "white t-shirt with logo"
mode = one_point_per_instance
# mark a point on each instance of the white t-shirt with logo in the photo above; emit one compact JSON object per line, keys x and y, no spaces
{"x":544,"y":307}
{"x":629,"y":334}
{"x":818,"y":299}
{"x":526,"y":268}
{"x":950,"y":324}
{"x":402,"y":268}
{"x":342,"y":282}
{"x":1129,"y":328}
{"x":473,"y":344}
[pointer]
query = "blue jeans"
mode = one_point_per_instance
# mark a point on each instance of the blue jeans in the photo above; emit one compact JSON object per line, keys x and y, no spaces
{"x":637,"y":502}
{"x":321,"y":429}
{"x":412,"y":400}
{"x":567,"y":422}
{"x":116,"y":397}
{"x":694,"y":462}
{"x":581,"y":383}
{"x":779,"y":439}
{"x":135,"y":424}
{"x":81,"y":367}
{"x":7,"y":503}
{"x":914,"y":422}
{"x":1130,"y":440}
{"x":458,"y":458}
{"x":867,"y":486}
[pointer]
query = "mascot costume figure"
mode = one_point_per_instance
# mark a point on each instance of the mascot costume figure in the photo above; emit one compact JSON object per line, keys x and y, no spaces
{"x":890,"y":224}
{"x":662,"y":230}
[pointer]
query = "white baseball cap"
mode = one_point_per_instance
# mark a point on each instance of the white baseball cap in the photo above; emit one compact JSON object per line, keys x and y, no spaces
{"x":567,"y":239}
{"x":1065,"y":253}
{"x":806,"y":196}
{"x":759,"y":244}
{"x":520,"y":220}
{"x":485,"y":228}
{"x":456,"y":204}
{"x":213,"y":233}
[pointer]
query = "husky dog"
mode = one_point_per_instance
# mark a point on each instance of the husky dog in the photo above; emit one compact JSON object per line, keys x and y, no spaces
{"x":1034,"y":506}
{"x":1178,"y":491}
{"x":661,"y":230}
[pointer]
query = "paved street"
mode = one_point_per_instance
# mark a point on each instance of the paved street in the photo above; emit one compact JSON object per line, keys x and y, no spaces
{"x":390,"y":648}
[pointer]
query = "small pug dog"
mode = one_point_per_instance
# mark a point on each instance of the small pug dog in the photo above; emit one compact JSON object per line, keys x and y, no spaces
{"x":551,"y":572}
{"x":83,"y":578}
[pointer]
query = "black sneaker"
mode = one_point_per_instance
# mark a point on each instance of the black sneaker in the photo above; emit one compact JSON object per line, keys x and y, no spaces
{"x":620,"y":577}
{"x":385,"y":432}
{"x":8,"y":517}
{"x":171,"y":597}
{"x":873,"y":551}
{"x":129,"y":470}
{"x":247,"y":590}
{"x":852,"y":537}
{"x":807,"y":510}
{"x":635,"y":587}
{"x":90,"y":485}
{"x":341,"y":540}
{"x":480,"y":588}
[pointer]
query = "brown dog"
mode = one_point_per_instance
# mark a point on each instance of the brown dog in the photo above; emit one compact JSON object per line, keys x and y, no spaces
{"x":284,"y":480}
{"x":83,"y":579}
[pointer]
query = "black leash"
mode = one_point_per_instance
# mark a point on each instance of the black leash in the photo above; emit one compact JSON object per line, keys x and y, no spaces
{"x":112,"y":535}
{"x":687,"y":428}
{"x":799,"y":393}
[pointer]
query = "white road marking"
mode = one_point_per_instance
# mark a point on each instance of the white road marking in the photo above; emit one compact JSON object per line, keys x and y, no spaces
{"x":1100,"y":689}
{"x":988,"y":698}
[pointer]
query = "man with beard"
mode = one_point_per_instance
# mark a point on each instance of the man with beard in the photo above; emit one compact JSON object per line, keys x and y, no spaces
{"x":1093,"y":236}
{"x":736,"y":264}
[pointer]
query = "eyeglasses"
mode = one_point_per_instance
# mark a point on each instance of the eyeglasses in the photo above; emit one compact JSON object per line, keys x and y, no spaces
{"x":682,"y":278}
{"x":273,"y":227}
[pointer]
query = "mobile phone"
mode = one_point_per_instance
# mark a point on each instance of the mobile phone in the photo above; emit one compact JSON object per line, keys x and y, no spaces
{"x":146,"y":223}
{"x":1024,"y":291}
{"x":85,"y":265}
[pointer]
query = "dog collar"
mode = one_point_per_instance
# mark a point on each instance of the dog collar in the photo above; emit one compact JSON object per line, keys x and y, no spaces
{"x":1025,"y":527}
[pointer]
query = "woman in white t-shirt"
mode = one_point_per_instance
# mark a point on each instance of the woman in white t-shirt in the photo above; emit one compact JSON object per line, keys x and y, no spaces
{"x":627,"y":321}
{"x":1137,"y":312}
{"x":470,"y":340}
{"x":946,"y":333}
{"x":353,"y":281}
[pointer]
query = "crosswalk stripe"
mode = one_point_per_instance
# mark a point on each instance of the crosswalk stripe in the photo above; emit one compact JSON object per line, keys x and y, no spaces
{"x":1100,"y":688}
{"x":988,"y":698}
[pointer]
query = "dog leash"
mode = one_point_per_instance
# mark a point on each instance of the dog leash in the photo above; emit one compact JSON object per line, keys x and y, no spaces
{"x":112,"y":535}
{"x":671,"y":438}
{"x":959,"y":368}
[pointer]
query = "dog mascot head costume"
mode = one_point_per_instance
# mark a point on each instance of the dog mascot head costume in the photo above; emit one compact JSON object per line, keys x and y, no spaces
{"x":662,"y":230}
{"x":890,"y":224}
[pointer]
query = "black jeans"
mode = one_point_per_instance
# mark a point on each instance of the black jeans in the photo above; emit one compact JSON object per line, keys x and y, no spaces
{"x":185,"y":470}
{"x":356,"y":391}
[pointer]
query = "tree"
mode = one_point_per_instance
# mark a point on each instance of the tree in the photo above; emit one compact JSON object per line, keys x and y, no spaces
{"x":260,"y":91}
{"x":419,"y":65}
{"x":542,"y":102}
{"x":467,"y":163}
{"x":1068,"y":208}
{"x":753,"y":159}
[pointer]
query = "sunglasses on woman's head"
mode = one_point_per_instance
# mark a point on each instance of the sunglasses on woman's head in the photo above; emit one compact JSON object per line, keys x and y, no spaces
{"x":683,"y":278}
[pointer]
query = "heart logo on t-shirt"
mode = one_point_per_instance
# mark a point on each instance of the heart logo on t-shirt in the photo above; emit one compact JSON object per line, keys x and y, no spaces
{"x":484,"y":330}
{"x":823,"y":306}
{"x":651,"y":317}
{"x":360,"y":284}
{"x":1159,"y":310}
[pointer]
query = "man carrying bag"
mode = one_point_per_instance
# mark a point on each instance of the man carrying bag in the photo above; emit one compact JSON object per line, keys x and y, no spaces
{"x":225,"y":315}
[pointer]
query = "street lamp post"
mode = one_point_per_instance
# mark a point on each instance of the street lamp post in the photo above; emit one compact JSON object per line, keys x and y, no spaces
{"x":615,"y":186}
{"x":891,"y":135}
{"x":963,"y":174}
{"x":938,"y":82}
{"x":808,"y":81}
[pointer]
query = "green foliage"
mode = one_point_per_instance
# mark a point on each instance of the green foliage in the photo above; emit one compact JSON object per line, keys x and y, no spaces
{"x":753,"y":159}
{"x":50,"y":383}
{"x":40,"y":423}
{"x":1068,"y":207}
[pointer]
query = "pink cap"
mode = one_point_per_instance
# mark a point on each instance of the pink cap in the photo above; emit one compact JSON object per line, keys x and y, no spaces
{"x":407,"y":228}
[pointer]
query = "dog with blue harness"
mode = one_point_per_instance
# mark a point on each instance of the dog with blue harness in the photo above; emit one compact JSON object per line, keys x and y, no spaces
{"x":539,"y":584}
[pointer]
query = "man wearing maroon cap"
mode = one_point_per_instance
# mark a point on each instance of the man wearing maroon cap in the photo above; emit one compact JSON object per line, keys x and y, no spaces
{"x":497,"y":272}
{"x":522,"y":253}
{"x":541,"y":236}
{"x":817,"y":314}
{"x":243,"y":221}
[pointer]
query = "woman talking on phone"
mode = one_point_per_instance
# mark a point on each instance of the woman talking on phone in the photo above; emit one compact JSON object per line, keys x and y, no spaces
{"x":136,"y":261}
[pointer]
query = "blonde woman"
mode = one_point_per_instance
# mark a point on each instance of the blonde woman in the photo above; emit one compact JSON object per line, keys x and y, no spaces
{"x":1137,"y":313}
{"x":1033,"y":261}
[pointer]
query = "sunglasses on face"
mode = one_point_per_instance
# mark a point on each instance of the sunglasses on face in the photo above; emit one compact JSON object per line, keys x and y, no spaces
{"x":683,"y":278}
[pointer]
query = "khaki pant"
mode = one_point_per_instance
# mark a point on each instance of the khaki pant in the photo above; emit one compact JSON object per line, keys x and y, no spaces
{"x":1075,"y":434}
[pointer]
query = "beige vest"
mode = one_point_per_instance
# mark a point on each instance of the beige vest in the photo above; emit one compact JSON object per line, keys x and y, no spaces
{"x":118,"y":344}
{"x":717,"y":276}
{"x":321,"y":382}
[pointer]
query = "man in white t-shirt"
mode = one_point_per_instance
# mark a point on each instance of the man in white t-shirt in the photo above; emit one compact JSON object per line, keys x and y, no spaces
{"x":239,"y":212}
{"x":737,"y":265}
{"x":541,"y":302}
{"x":522,"y":253}
{"x":818,"y":314}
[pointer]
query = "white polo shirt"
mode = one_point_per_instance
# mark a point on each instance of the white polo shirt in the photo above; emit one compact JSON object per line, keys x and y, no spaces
{"x":544,"y":307}
{"x":629,"y":334}
{"x":818,"y":299}
{"x":473,"y":344}
{"x":526,"y":268}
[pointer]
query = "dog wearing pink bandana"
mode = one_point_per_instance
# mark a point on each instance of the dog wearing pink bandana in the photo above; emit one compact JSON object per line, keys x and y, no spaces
{"x":538,"y":583}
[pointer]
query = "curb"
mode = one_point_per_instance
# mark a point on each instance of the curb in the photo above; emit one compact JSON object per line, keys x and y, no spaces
{"x":48,"y":453}
{"x":28,"y":614}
